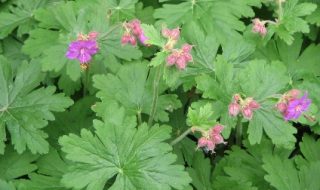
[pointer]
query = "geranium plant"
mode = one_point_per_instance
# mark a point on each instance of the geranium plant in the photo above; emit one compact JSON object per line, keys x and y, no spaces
{"x":159,"y":95}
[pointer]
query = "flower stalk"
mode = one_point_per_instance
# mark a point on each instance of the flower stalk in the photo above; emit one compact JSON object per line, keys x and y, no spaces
{"x":179,"y":138}
{"x":156,"y":82}
{"x":239,"y":131}
{"x":85,"y":81}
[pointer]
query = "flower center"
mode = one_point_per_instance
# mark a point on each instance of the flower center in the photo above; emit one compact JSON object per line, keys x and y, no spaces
{"x":298,"y":108}
{"x":82,"y":51}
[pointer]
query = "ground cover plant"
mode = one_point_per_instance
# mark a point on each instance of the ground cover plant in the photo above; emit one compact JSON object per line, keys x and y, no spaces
{"x":159,"y":94}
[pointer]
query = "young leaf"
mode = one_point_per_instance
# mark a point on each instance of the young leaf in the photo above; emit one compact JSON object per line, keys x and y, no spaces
{"x":153,"y":35}
{"x":291,"y":21}
{"x":201,"y":117}
{"x":159,"y":59}
{"x":136,"y":158}
{"x":23,"y":111}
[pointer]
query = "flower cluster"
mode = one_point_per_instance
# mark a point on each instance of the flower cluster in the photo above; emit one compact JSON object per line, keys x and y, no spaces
{"x":83,"y":48}
{"x":259,"y":27}
{"x":178,"y":57}
{"x":211,"y":138}
{"x":133,"y":31}
{"x":245,"y":107}
{"x":292,"y":105}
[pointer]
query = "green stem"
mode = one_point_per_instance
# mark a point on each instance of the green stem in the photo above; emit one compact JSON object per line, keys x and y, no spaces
{"x":280,"y":11}
{"x":239,"y":131}
{"x":139,"y":118}
{"x":156,"y":82}
{"x":85,"y":82}
{"x":179,"y":138}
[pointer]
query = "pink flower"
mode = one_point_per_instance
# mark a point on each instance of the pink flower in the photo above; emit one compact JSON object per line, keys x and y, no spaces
{"x":293,"y":94}
{"x":282,"y":107}
{"x":211,"y":138}
{"x":246,"y":107}
{"x":93,"y":35}
{"x":180,"y":57}
{"x":234,"y":109}
{"x":127,"y":38}
{"x":202,"y":142}
{"x":254,"y":105}
{"x":259,"y":27}
{"x":173,"y":34}
{"x":133,"y":32}
{"x":247,"y":113}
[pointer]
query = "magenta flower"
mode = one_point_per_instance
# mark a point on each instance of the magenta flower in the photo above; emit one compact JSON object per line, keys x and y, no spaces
{"x":82,"y":50}
{"x":296,"y":107}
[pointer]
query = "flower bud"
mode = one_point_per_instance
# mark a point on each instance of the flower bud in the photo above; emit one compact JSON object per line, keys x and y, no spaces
{"x":175,"y":34}
{"x":166,"y":32}
{"x":236,"y":97}
{"x":186,"y":48}
{"x":259,"y":27}
{"x":202,"y":142}
{"x":247,"y":113}
{"x":93,"y":35}
{"x":217,"y":129}
{"x":125,"y":39}
{"x":294,"y":94}
{"x":281,"y":106}
{"x":181,"y":63}
{"x":133,"y":40}
{"x":234,"y":109}
{"x":171,"y":59}
{"x":254,"y":105}
{"x":210,"y":145}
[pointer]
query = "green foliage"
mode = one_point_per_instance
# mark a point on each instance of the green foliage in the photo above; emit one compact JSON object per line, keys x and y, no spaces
{"x":119,"y":151}
{"x":20,"y":15}
{"x":132,"y":88}
{"x":128,"y":100}
{"x":25,"y":112}
{"x":14,"y":165}
{"x":202,"y":117}
{"x":221,"y":18}
{"x":50,"y":170}
{"x":290,"y":21}
{"x":264,"y":167}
